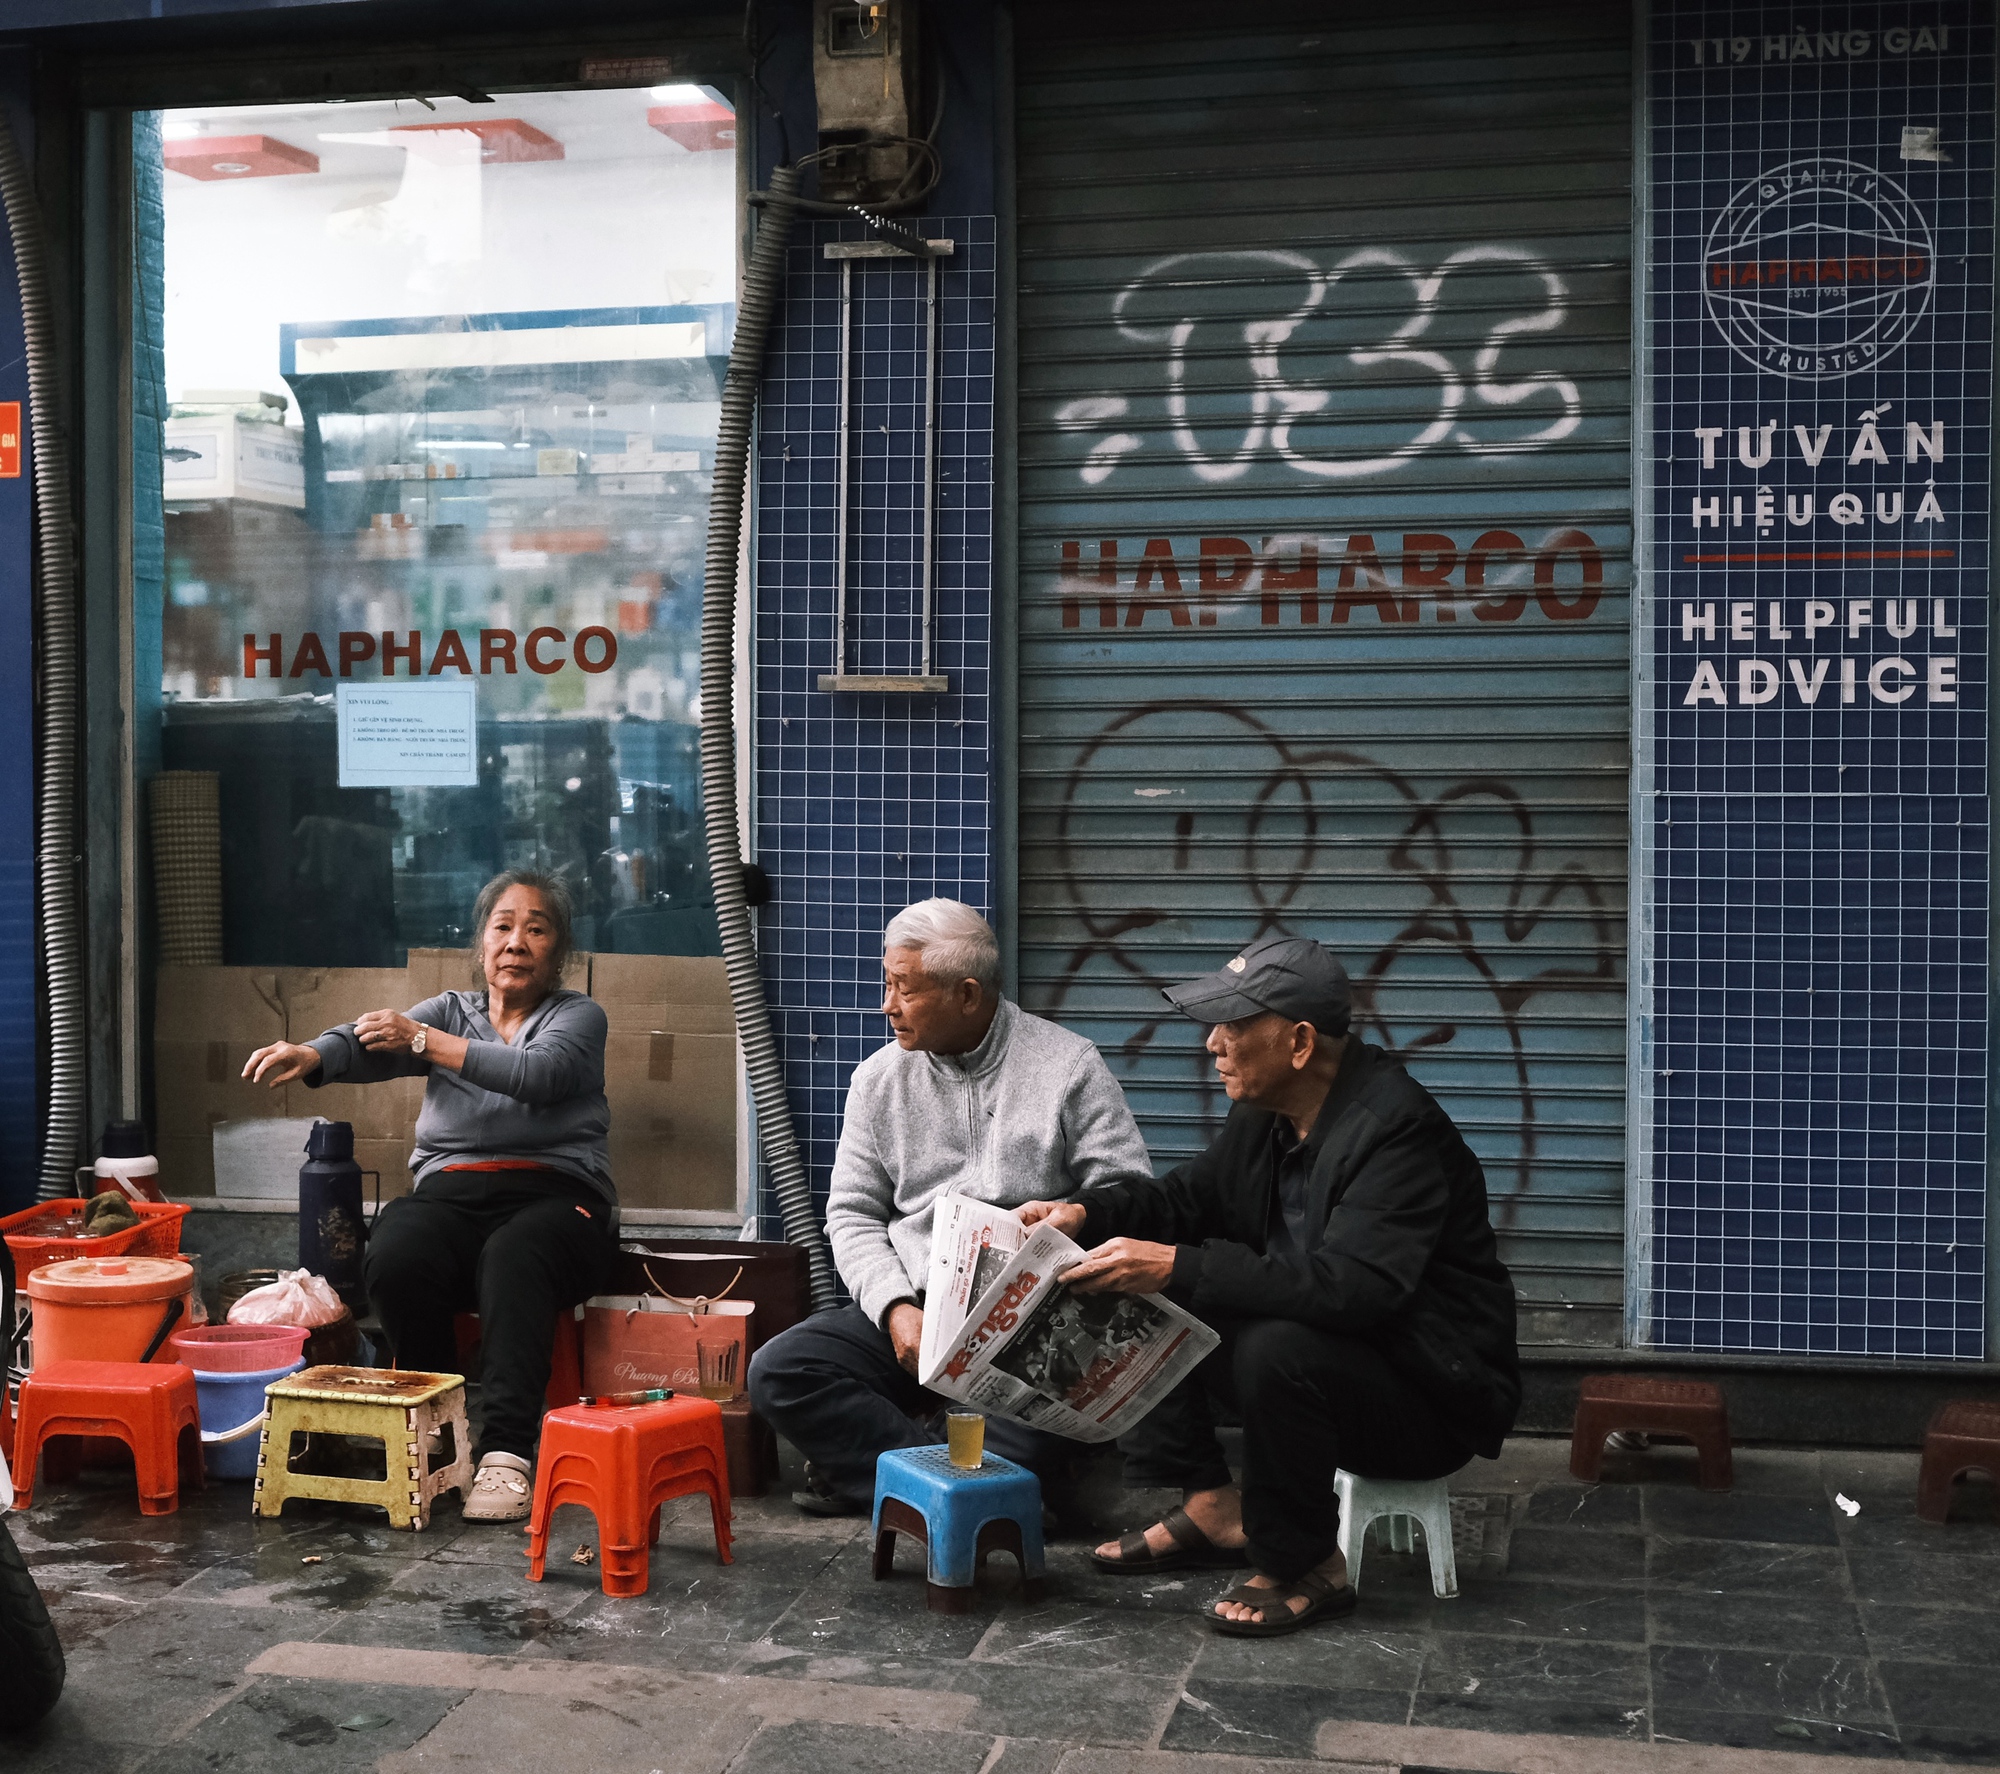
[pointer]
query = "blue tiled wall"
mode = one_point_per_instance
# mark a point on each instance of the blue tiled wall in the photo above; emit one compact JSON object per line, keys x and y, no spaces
{"x":1821,"y":846}
{"x":866,"y":803}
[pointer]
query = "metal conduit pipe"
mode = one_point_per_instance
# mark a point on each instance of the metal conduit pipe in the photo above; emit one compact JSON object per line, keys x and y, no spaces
{"x":56,"y":691}
{"x":786,"y":1164}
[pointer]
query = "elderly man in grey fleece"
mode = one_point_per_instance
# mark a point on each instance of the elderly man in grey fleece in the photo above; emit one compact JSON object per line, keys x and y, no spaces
{"x":976,"y":1097}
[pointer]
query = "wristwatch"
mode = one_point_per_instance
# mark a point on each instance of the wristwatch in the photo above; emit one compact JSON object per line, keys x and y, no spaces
{"x":423,"y":1035}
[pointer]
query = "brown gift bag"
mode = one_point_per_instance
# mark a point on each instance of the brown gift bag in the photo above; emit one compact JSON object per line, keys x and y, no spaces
{"x":633,"y":1342}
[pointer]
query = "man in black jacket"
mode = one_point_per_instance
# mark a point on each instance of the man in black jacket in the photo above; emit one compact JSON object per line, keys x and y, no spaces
{"x":1335,"y":1234}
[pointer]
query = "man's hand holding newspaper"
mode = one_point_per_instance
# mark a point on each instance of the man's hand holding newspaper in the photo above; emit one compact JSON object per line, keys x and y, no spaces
{"x":1021,"y":1323}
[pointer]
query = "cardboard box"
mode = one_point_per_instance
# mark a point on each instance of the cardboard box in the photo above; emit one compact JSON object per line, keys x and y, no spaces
{"x":207,"y":1022}
{"x":670,"y":1078}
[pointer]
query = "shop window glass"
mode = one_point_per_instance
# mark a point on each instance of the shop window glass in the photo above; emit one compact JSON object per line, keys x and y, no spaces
{"x":441,"y":383}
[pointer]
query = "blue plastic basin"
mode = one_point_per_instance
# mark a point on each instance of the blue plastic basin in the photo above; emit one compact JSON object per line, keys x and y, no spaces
{"x":227,"y":1402}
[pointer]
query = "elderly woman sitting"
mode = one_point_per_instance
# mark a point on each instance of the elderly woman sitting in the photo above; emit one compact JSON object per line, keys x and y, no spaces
{"x":513,"y":1210}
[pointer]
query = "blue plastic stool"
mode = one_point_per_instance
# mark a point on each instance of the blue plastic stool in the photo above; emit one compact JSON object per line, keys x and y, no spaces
{"x":958,"y":1517}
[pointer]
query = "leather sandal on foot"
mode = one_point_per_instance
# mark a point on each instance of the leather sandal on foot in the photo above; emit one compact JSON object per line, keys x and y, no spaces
{"x":1323,"y":1602}
{"x":1191,"y":1548}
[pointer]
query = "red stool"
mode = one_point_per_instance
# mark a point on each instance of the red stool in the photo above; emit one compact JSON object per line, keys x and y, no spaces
{"x":1691,"y":1409}
{"x":621,"y":1463}
{"x":1965,"y":1433}
{"x":151,"y":1407}
{"x":565,"y":1359}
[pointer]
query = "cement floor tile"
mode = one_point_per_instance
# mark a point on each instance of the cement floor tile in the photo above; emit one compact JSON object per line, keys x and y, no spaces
{"x":1870,"y":1472}
{"x":490,"y":1625}
{"x":1726,"y":1567}
{"x":1081,"y":1704}
{"x":1525,"y":1462}
{"x":115,"y":1699}
{"x":1345,"y":1654}
{"x":698,"y":1618}
{"x":807,"y":1747}
{"x":1571,"y":1505}
{"x":1751,"y":1622}
{"x":1941,"y":1695}
{"x":496,"y":1732}
{"x":1028,"y":1755}
{"x":1270,"y":1718}
{"x":1171,"y":1595}
{"x":296,"y":1726}
{"x":134,"y":1567}
{"x":1944,"y":1577}
{"x":82,"y":1616}
{"x":1892,"y":1524}
{"x":275,"y":1576}
{"x":1789,"y":1520}
{"x":843,"y":1612}
{"x":1513,"y":1607}
{"x":1907,"y":1633}
{"x":1928,"y":1743}
{"x":1742,"y":1730}
{"x":1779,"y":1471}
{"x":196,"y":1641}
{"x":1494,"y":1684}
{"x":1063,"y":1632}
{"x":1588,"y":1558}
{"x":62,"y":1743}
{"x":1804,"y":1685}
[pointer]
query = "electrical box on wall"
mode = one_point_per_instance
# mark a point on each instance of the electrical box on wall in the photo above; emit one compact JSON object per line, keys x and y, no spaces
{"x":866,"y":74}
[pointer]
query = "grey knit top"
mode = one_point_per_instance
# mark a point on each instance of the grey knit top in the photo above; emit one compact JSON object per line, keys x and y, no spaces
{"x":536,"y":1099}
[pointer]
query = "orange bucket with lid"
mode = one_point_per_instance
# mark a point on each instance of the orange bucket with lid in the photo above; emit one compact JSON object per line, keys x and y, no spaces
{"x":109,"y":1308}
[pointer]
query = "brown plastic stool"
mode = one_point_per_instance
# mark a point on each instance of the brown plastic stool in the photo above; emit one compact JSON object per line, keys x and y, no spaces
{"x":1691,"y":1409}
{"x":1965,"y":1433}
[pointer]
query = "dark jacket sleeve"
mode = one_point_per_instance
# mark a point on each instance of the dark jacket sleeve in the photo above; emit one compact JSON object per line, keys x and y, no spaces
{"x":1183,"y":1207}
{"x":1378,"y":1243}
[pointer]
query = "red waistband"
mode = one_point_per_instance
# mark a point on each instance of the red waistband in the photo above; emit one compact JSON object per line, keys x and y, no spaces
{"x":498,"y":1164}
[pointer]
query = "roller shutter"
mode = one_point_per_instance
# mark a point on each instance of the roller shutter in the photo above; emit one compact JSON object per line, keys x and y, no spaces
{"x":1325,"y":485}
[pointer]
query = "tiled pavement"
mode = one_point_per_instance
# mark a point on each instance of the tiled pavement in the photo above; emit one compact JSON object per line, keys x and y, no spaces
{"x":1767,"y":1621}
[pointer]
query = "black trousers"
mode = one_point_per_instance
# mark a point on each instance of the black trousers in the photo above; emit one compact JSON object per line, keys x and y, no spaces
{"x":517,"y":1247}
{"x":1310,"y":1402}
{"x":833,"y":1388}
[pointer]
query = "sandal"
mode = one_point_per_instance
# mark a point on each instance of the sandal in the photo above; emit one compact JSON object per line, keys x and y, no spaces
{"x":1191,"y":1547}
{"x":1323,"y":1602}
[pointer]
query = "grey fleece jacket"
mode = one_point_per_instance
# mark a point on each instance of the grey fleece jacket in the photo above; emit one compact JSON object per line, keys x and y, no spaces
{"x":1030,"y":1114}
{"x":538,"y":1098}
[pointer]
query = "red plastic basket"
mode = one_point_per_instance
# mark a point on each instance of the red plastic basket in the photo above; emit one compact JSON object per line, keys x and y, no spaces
{"x":158,"y":1234}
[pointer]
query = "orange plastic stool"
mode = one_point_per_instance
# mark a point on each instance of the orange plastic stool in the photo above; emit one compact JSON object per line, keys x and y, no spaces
{"x":151,"y":1407}
{"x":1688,"y":1408}
{"x":1965,"y":1433}
{"x":621,"y":1463}
{"x":565,"y":1359}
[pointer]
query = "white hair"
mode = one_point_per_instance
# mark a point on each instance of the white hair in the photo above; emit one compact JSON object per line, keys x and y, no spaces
{"x":955,"y":942}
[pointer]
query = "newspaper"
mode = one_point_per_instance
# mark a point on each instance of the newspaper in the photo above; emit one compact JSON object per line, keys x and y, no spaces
{"x":1003,"y":1334}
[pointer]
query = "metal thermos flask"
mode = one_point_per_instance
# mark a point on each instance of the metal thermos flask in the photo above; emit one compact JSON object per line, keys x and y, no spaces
{"x":331,"y":1230}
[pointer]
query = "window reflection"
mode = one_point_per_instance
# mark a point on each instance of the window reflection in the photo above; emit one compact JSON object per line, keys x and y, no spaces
{"x":443,"y":391}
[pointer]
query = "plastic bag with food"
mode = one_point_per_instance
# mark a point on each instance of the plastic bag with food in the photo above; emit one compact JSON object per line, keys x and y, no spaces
{"x":298,"y":1296}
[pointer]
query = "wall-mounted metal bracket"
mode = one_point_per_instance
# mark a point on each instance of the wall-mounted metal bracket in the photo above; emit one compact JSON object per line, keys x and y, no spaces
{"x":840,"y":681}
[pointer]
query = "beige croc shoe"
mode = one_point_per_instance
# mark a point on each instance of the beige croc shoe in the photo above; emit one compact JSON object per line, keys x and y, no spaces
{"x":503,"y":1489}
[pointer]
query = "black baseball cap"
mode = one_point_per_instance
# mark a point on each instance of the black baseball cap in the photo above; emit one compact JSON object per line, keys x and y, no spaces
{"x":1292,"y":975}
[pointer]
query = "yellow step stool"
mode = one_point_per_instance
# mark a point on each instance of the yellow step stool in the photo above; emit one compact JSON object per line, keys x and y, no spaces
{"x":398,"y":1409}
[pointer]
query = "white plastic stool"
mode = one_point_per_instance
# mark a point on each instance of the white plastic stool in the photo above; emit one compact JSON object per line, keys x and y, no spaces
{"x":1363,"y":1500}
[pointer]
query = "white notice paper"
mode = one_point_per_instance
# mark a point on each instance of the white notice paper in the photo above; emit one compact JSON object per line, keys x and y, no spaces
{"x":409,"y":735}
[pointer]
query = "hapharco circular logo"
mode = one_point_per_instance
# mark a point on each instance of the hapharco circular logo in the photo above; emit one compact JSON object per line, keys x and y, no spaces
{"x":1818,"y":269}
